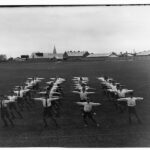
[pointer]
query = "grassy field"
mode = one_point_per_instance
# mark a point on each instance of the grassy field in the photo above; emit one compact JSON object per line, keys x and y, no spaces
{"x":114,"y":130}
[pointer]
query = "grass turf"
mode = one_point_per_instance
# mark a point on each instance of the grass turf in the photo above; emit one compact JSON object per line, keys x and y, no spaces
{"x":114,"y":130}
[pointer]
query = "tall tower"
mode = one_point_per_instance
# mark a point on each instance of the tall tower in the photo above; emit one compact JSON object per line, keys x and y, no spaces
{"x":54,"y":50}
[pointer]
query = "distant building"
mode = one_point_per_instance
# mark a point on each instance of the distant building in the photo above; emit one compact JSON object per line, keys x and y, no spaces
{"x":126,"y":54}
{"x":143,"y":53}
{"x":51,"y":56}
{"x":38,"y":55}
{"x":113,"y":55}
{"x":101,"y":56}
{"x":58,"y":56}
{"x":75,"y":55}
{"x":54,"y":50}
{"x":25,"y":57}
{"x":18,"y":59}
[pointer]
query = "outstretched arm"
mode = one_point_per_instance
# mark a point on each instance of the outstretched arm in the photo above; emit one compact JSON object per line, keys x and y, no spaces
{"x":89,"y":88}
{"x":44,"y":92}
{"x":80,"y":103}
{"x":16,"y":92}
{"x":76,"y":92}
{"x":127,"y":91}
{"x":25,"y":90}
{"x":101,"y":79}
{"x":49,"y":82}
{"x":110,"y":90}
{"x":54,"y":98}
{"x":122,"y":99}
{"x":6,"y":101}
{"x":95,"y":104}
{"x":39,"y":99}
{"x":90,"y":92}
{"x":139,"y":98}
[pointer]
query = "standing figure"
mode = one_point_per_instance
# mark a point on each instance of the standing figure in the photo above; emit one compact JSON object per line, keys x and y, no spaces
{"x":87,"y":111}
{"x":47,"y":109}
{"x":131,"y":103}
{"x":13,"y":107}
{"x":5,"y":112}
{"x":83,"y":94}
{"x":121,"y":93}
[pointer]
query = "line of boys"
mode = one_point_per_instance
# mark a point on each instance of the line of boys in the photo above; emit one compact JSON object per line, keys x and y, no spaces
{"x":16,"y":100}
{"x":122,"y":97}
{"x":51,"y":100}
{"x":82,"y":87}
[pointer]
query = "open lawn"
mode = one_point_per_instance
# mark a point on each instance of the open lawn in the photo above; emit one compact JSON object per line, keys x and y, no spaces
{"x":114,"y":130}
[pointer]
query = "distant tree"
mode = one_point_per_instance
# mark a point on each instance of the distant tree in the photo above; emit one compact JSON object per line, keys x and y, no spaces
{"x":3,"y":57}
{"x":134,"y":54}
{"x":10,"y":59}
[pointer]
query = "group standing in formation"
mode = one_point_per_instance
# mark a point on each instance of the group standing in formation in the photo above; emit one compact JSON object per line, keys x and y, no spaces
{"x":51,"y":96}
{"x":81,"y":85}
{"x":123,"y":98}
{"x":23,"y":97}
{"x":51,"y":100}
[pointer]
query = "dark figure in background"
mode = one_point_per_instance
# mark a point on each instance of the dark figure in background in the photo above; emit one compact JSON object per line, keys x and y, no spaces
{"x":13,"y":106}
{"x":5,"y":112}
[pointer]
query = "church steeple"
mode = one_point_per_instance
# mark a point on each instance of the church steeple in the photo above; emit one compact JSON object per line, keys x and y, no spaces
{"x":54,"y":50}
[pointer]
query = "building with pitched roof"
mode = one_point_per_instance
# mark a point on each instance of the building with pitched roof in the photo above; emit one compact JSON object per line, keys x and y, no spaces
{"x":101,"y":56}
{"x":143,"y":53}
{"x":75,"y":55}
{"x":51,"y":56}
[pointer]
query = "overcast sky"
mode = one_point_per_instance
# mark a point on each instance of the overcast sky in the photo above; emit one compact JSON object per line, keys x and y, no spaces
{"x":95,"y":29}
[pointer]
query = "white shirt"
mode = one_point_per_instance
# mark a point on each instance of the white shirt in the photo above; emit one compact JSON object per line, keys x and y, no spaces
{"x":48,"y":100}
{"x":12,"y":98}
{"x":101,"y":79}
{"x":19,"y":94}
{"x":122,"y":93}
{"x":131,"y":101}
{"x":33,"y":82}
{"x":114,"y":87}
{"x":4,"y":103}
{"x":79,"y":87}
{"x":83,"y":95}
{"x":88,"y":106}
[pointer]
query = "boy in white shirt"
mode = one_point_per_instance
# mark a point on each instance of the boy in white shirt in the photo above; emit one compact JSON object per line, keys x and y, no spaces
{"x":47,"y":109}
{"x":83,"y":94}
{"x":131,"y":103}
{"x":87,"y":111}
{"x":121,"y":93}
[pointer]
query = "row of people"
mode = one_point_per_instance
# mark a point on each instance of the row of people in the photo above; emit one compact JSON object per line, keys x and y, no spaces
{"x":123,"y":98}
{"x":51,"y":100}
{"x":81,"y":85}
{"x":16,"y":100}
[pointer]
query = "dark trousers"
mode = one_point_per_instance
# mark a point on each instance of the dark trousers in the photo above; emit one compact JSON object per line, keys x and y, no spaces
{"x":132,"y":110}
{"x":56,"y":108}
{"x":20,"y":103}
{"x":88,"y":115}
{"x":5,"y":115}
{"x":47,"y":112}
{"x":121,"y":106}
{"x":12,"y":108}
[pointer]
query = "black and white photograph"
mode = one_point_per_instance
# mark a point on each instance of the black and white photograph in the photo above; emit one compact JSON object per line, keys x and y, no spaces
{"x":75,"y":75}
